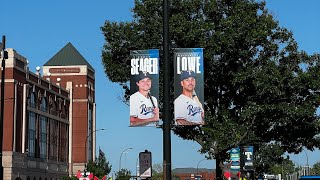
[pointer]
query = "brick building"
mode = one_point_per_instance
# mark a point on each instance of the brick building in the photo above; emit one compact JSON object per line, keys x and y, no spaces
{"x":194,"y":173}
{"x":49,"y":119}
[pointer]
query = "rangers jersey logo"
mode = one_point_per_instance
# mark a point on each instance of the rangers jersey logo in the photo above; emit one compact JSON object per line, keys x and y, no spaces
{"x":146,"y":110}
{"x":192,"y":111}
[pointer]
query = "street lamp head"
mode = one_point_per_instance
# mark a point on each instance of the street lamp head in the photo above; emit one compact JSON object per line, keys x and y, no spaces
{"x":121,"y":156}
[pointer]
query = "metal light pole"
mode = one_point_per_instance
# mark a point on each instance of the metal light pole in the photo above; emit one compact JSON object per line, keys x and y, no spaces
{"x":198,"y":165}
{"x":121,"y":156}
{"x":166,"y":95}
{"x":137,"y":168}
{"x":3,"y":53}
{"x":306,"y":156}
{"x":307,"y":168}
{"x":86,"y":160}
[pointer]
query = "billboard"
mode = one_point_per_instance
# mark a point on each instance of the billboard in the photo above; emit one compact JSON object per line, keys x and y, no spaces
{"x":188,"y":86}
{"x":144,"y":87}
{"x":145,"y":164}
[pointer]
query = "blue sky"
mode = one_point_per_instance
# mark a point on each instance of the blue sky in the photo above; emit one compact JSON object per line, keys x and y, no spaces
{"x":39,"y":29}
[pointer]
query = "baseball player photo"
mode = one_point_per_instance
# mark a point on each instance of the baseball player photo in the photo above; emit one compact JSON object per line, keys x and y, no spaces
{"x":187,"y":108}
{"x":143,"y":106}
{"x":188,"y":86}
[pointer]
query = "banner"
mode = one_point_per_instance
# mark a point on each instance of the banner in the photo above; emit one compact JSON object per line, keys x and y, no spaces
{"x":188,"y":86}
{"x":144,"y":87}
{"x":247,"y":158}
{"x":145,"y":164}
{"x":235,"y":159}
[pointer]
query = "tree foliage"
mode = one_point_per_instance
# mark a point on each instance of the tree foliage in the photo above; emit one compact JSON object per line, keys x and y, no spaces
{"x":123,"y":174}
{"x":286,"y":166}
{"x":316,"y":169}
{"x":100,"y":167}
{"x":260,"y":88}
{"x":267,"y":157}
{"x":157,"y":173}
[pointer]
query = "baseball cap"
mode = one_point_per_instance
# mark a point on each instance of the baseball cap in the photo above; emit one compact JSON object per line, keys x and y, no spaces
{"x":187,"y":74}
{"x":142,"y":75}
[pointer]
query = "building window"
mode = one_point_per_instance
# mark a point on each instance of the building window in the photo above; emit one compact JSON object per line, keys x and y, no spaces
{"x":63,"y":149}
{"x":63,"y":112}
{"x":90,"y":121}
{"x":53,"y":139}
{"x":32,"y":134}
{"x":43,"y":106}
{"x":66,"y":113}
{"x":54,"y":108}
{"x":32,"y":100}
{"x":43,"y":137}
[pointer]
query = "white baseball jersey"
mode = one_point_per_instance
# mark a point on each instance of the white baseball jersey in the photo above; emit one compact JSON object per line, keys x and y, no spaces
{"x":187,"y":108}
{"x":141,"y":106}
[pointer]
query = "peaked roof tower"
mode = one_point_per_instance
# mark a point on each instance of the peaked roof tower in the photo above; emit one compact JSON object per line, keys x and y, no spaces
{"x":68,"y":56}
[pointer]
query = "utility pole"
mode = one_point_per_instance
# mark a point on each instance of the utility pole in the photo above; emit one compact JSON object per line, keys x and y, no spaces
{"x":166,"y":95}
{"x":4,"y":55}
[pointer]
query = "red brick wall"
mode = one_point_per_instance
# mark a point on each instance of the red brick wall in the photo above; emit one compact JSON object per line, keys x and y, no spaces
{"x":190,"y":176}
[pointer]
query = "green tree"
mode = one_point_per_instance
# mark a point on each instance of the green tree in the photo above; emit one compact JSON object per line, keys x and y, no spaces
{"x":157,"y":172}
{"x":286,"y":166}
{"x":123,"y":174}
{"x":266,"y":157}
{"x":100,"y":167}
{"x":260,"y":87}
{"x":316,"y":169}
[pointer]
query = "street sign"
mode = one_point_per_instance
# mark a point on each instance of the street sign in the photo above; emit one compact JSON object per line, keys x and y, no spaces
{"x":145,"y":164}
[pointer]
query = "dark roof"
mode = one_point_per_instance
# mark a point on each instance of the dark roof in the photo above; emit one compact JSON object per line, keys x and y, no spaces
{"x":68,"y":56}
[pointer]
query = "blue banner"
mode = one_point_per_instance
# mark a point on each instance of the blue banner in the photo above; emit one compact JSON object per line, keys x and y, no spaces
{"x":144,"y":87}
{"x":188,"y":86}
{"x":235,"y":159}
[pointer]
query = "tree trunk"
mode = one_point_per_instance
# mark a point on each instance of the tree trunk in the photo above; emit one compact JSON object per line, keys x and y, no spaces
{"x":219,"y":166}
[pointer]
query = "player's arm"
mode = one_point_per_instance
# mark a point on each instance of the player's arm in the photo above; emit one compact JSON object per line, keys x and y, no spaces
{"x":194,"y":95}
{"x":135,"y":121}
{"x":185,"y":122}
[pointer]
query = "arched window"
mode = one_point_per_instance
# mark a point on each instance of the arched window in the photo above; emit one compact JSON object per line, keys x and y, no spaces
{"x":43,"y":106}
{"x":66,"y":112}
{"x":31,"y":134}
{"x":32,"y":100}
{"x":43,"y":137}
{"x":54,"y":108}
{"x":89,"y":91}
